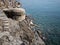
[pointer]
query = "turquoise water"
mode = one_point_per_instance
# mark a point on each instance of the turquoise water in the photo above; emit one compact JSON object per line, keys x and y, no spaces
{"x":47,"y":15}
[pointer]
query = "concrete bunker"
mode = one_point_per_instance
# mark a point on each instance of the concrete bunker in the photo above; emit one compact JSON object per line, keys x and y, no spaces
{"x":15,"y":13}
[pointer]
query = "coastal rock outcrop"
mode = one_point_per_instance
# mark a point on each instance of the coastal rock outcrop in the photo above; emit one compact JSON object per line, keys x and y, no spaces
{"x":15,"y":28}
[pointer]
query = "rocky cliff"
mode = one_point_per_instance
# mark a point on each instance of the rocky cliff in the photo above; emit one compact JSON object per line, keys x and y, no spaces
{"x":16,"y":28}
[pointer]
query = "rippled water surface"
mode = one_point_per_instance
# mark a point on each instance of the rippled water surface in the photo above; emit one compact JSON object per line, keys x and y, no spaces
{"x":47,"y":16}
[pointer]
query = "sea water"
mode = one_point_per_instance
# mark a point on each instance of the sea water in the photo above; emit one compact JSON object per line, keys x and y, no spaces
{"x":47,"y":15}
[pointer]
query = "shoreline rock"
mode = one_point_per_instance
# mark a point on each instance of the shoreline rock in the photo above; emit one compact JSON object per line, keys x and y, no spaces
{"x":16,"y":32}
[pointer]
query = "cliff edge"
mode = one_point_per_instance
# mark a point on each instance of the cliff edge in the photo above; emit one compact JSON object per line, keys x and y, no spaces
{"x":16,"y":28}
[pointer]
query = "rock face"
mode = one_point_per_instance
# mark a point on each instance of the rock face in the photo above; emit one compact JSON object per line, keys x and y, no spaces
{"x":17,"y":31}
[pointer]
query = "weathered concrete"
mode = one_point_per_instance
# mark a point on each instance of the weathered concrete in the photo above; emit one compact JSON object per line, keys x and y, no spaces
{"x":18,"y":13}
